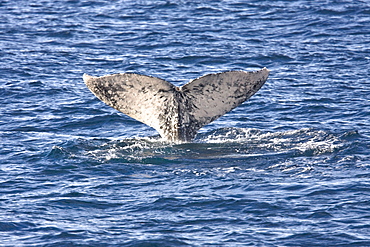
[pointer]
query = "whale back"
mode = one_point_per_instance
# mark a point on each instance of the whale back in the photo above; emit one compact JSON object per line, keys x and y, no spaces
{"x":176,"y":113}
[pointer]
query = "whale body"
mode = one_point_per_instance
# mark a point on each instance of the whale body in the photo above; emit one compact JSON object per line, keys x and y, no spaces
{"x":177,"y":113}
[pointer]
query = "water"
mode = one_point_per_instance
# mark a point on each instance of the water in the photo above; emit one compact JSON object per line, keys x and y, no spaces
{"x":290,"y":167}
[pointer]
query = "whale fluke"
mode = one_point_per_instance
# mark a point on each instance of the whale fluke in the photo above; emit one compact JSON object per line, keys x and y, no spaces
{"x":177,"y":113}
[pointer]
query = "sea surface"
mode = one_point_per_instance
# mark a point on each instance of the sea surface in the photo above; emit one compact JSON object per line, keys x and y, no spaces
{"x":289,"y":167}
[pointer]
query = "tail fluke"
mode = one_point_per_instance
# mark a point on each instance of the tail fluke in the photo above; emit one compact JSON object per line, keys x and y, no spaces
{"x":176,"y":113}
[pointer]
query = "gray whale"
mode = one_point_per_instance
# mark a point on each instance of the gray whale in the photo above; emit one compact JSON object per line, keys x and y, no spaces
{"x":177,"y":113}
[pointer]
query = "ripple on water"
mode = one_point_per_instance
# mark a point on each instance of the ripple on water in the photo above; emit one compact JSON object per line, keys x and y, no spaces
{"x":292,"y":171}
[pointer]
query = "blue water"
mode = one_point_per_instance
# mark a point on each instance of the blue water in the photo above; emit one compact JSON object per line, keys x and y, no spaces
{"x":289,"y":167}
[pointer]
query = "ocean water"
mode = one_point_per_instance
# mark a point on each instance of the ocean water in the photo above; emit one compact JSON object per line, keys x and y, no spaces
{"x":289,"y":167}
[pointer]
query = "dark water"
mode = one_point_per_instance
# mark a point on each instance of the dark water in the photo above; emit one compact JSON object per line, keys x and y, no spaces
{"x":290,"y":167}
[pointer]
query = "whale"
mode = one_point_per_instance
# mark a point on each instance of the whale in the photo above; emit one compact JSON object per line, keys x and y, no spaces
{"x":177,"y":113}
